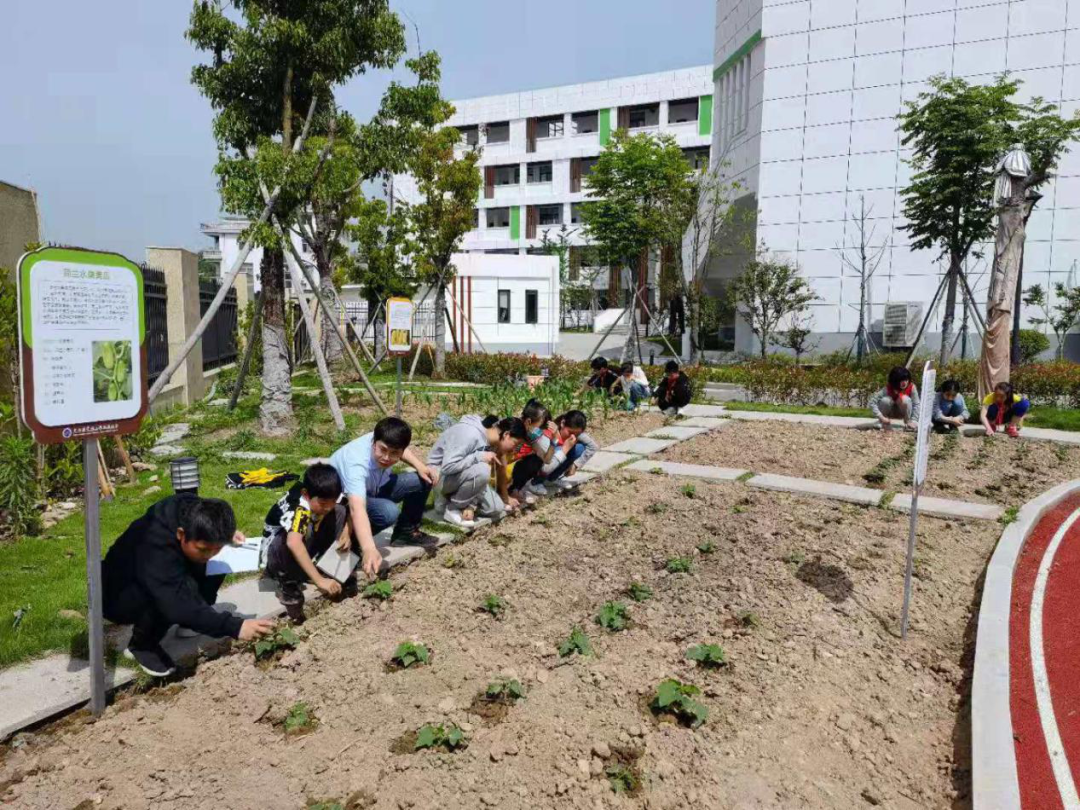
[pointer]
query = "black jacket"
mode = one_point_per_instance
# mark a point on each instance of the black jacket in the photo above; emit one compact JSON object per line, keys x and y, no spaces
{"x":673,"y":395}
{"x":148,"y":556}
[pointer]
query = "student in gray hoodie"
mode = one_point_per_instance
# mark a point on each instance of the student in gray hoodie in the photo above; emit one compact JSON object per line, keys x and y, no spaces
{"x":464,"y":455}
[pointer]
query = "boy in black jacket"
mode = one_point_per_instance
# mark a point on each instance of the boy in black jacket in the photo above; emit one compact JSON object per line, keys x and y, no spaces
{"x":673,"y":392}
{"x":154,"y":576}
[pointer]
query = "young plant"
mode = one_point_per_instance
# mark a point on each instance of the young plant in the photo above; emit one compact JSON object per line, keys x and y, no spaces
{"x":678,"y":565}
{"x":706,"y":547}
{"x":710,"y":656}
{"x":623,"y":780}
{"x":495,"y":605}
{"x":657,"y":508}
{"x":407,"y":654}
{"x":794,"y":558}
{"x":639,"y":592}
{"x":613,"y":616}
{"x":689,"y":490}
{"x":749,"y":620}
{"x":577,"y":642}
{"x":1009,"y":516}
{"x":677,"y":698}
{"x":299,"y":719}
{"x":381,"y":590}
{"x":453,"y":561}
{"x":506,"y":690}
{"x":282,"y":639}
{"x":431,"y":736}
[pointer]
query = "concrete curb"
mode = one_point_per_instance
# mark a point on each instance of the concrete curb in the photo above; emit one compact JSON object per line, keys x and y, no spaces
{"x":688,"y":470}
{"x":994,"y":782}
{"x":947,"y":508}
{"x":819,"y":489}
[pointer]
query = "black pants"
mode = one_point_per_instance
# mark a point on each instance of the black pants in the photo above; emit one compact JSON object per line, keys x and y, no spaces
{"x":525,"y":471}
{"x":131,"y":604}
{"x":282,"y":566}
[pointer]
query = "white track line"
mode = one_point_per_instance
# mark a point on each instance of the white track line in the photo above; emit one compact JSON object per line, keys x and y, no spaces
{"x":1058,"y":759}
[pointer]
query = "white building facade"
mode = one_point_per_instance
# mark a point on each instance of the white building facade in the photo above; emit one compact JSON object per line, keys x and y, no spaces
{"x":807,"y":94}
{"x":538,"y":146}
{"x":225,"y":235}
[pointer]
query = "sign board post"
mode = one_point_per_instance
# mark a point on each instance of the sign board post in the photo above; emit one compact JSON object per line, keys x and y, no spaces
{"x":399,"y":318}
{"x":922,"y":454}
{"x":82,"y":363}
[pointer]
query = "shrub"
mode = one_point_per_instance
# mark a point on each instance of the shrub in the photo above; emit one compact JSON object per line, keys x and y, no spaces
{"x":1032,"y":344}
{"x":19,"y":513}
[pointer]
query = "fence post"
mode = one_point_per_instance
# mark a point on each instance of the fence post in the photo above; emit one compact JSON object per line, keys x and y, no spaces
{"x":181,"y":268}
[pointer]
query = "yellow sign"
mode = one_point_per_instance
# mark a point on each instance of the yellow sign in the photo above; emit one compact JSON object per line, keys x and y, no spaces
{"x":399,"y":316}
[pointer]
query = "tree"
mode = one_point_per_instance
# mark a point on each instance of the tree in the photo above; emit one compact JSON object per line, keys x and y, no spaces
{"x":267,"y":68}
{"x":958,"y":132}
{"x":448,"y":188}
{"x":796,"y":337}
{"x":560,"y":248}
{"x":767,"y":293}
{"x":1061,"y":317}
{"x":867,"y":259}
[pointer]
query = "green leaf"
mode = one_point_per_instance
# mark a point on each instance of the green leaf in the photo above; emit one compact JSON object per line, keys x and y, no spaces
{"x":639,"y":592}
{"x":668,"y":692}
{"x":455,"y":738}
{"x":383,"y":589}
{"x":262,"y":648}
{"x":428,"y":736}
{"x":707,"y":654}
{"x":288,"y":636}
{"x":613,"y":616}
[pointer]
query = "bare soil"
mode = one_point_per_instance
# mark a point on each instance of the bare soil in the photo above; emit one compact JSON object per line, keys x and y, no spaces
{"x":821,"y":706}
{"x":981,"y":470}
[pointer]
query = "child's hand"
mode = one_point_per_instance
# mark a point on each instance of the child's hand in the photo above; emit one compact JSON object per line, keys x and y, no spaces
{"x":372,"y":562}
{"x":570,"y":473}
{"x":253,"y":628}
{"x":568,"y":445}
{"x":331,"y":587}
{"x":491,"y":458}
{"x":513,"y":504}
{"x":989,"y":431}
{"x":552,"y":427}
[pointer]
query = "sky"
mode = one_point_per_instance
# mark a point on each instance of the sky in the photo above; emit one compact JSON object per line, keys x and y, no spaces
{"x":98,"y":115}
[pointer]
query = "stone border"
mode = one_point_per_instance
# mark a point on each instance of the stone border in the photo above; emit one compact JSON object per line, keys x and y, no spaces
{"x":994,"y":782}
{"x":821,"y":489}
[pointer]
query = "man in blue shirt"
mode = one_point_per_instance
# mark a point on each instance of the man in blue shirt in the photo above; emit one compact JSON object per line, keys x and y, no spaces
{"x":374,"y":492}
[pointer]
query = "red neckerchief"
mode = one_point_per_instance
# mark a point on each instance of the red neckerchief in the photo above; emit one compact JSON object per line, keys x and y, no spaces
{"x":999,"y":418}
{"x":903,"y":392}
{"x":670,"y":383}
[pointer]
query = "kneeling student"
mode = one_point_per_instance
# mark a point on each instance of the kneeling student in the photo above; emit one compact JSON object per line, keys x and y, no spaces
{"x":299,"y":529}
{"x":673,"y":392}
{"x":950,"y":411}
{"x":154,"y":576}
{"x":1003,"y":407}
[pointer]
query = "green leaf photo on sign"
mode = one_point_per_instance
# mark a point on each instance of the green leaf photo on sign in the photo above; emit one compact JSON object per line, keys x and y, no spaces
{"x":112,"y":370}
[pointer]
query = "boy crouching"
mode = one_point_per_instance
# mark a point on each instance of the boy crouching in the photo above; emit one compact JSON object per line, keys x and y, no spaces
{"x":299,"y":529}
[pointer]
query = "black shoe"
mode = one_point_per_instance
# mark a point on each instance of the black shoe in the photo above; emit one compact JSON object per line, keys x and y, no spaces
{"x":428,"y":542}
{"x":295,"y":613}
{"x":151,"y":660}
{"x":349,"y":588}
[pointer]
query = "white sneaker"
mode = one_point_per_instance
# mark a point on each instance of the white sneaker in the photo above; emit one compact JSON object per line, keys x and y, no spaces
{"x":537,"y":489}
{"x":563,"y":484}
{"x":454,"y":517}
{"x":670,"y":412}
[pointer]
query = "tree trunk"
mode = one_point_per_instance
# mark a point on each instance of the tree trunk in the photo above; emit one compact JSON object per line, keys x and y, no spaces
{"x":950,"y":312}
{"x":994,"y":360}
{"x":440,"y":328}
{"x":275,"y":411}
{"x":696,"y":352}
{"x":378,"y":325}
{"x":331,"y":346}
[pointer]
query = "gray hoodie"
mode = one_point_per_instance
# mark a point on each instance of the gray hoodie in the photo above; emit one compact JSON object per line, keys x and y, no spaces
{"x":459,"y":447}
{"x":584,"y":439}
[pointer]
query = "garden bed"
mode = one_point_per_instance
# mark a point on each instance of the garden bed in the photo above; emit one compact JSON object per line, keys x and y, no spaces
{"x":999,"y":470}
{"x":819,"y":705}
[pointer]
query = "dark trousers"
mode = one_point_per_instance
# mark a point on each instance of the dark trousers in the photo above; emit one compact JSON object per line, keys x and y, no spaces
{"x":525,"y":471}
{"x":282,"y":566}
{"x":407,"y":489}
{"x":131,"y":604}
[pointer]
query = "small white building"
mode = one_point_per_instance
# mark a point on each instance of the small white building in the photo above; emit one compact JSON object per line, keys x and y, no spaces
{"x":498,"y":303}
{"x":225,"y":234}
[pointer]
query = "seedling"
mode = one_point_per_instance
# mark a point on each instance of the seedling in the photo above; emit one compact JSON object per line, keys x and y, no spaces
{"x":1010,"y":515}
{"x":746,"y":476}
{"x":623,"y":780}
{"x":495,"y":605}
{"x":577,"y":642}
{"x":499,"y":540}
{"x":706,"y":547}
{"x":407,"y":654}
{"x":738,"y":509}
{"x":710,"y":656}
{"x":506,"y":690}
{"x":282,"y":639}
{"x":657,"y":470}
{"x":614,"y":616}
{"x":453,"y":561}
{"x":749,"y":619}
{"x":431,"y":736}
{"x":795,"y":558}
{"x":639,"y":592}
{"x":381,"y":590}
{"x":689,"y":490}
{"x":657,"y":508}
{"x":677,"y":698}
{"x":678,"y":565}
{"x":540,"y":520}
{"x":631,"y":521}
{"x":299,"y":719}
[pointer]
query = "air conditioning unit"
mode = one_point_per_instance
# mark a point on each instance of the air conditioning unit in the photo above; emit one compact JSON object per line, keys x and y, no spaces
{"x":901,"y":324}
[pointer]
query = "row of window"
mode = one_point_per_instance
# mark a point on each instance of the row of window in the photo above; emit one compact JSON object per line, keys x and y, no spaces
{"x":509,"y":174}
{"x":532,"y":306}
{"x":637,"y":116}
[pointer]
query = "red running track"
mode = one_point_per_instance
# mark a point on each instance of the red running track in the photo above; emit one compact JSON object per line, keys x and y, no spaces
{"x":1044,"y":678}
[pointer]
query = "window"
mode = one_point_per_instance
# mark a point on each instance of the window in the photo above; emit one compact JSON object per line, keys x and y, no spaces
{"x":504,"y":306}
{"x":697,"y":157}
{"x":644,"y":115}
{"x":470,"y":135}
{"x":508,"y":175}
{"x":549,"y":127}
{"x":498,"y":217}
{"x":734,"y":94}
{"x":532,"y":306}
{"x":498,"y":132}
{"x":585,"y":122}
{"x":476,"y":218}
{"x":538,"y":172}
{"x":683,"y":111}
{"x":549,"y":214}
{"x":502,"y":252}
{"x":575,"y":213}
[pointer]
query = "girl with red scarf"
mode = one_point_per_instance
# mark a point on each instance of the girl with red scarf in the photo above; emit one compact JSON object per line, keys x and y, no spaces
{"x":899,"y":400}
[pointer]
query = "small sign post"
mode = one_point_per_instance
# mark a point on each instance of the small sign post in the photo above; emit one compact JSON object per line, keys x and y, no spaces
{"x":399,"y":318}
{"x":82,"y":362}
{"x":922,"y":454}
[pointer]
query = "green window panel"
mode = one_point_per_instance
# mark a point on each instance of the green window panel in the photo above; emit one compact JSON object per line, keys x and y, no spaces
{"x":730,"y":62}
{"x":704,"y":118}
{"x":515,"y":222}
{"x":605,"y":126}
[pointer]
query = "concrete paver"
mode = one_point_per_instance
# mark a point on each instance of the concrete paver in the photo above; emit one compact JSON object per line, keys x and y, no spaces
{"x":704,"y":410}
{"x":805,"y":418}
{"x":641,"y":446}
{"x":947,"y":508}
{"x":677,"y":432}
{"x":604,"y":460}
{"x":707,"y":422}
{"x":688,"y":470}
{"x":821,"y":489}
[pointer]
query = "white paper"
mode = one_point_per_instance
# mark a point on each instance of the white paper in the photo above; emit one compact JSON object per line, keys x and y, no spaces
{"x":234,"y":560}
{"x":337,"y":564}
{"x":922,"y":441}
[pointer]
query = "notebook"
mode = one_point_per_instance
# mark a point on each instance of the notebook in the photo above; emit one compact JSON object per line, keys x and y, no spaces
{"x":236,"y":559}
{"x":338,"y":564}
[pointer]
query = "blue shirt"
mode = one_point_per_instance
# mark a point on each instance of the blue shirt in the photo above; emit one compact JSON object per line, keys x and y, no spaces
{"x":355,"y":464}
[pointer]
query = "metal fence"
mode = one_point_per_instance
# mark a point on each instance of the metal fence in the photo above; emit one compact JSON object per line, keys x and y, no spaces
{"x":219,"y":339}
{"x":156,"y":298}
